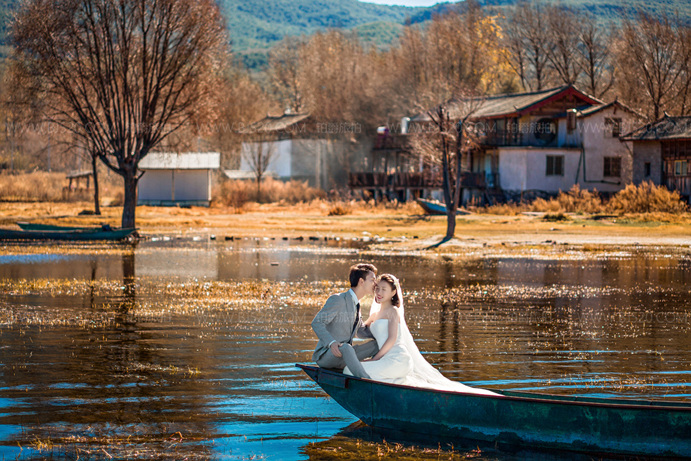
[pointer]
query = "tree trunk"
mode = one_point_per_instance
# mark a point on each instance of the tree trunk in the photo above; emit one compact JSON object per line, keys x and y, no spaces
{"x":130,"y":206}
{"x":450,"y":224}
{"x":259,"y":189}
{"x":94,"y":167}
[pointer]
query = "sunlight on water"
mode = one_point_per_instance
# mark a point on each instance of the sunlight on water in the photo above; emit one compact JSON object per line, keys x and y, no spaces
{"x":178,"y":349}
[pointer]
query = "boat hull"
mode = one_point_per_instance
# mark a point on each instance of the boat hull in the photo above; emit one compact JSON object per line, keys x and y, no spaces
{"x":69,"y":235}
{"x":433,"y":208}
{"x":594,"y":426}
{"x":28,"y":226}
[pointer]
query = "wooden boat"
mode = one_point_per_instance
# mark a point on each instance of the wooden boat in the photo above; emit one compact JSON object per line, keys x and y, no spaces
{"x":434,"y":207}
{"x":52,"y":227}
{"x":98,"y":234}
{"x":577,"y":424}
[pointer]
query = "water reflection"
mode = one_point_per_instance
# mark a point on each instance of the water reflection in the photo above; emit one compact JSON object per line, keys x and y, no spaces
{"x":188,"y":350}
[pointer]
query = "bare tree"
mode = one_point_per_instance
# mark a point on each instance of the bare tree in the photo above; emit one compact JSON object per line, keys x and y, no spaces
{"x":121,"y":75}
{"x":654,"y":58}
{"x":451,"y":138}
{"x":526,"y":40}
{"x":563,"y":27}
{"x":595,"y":57}
{"x":285,"y":73}
{"x":259,"y":155}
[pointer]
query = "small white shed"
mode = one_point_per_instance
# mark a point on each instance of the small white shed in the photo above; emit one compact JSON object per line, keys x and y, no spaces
{"x":174,"y":179}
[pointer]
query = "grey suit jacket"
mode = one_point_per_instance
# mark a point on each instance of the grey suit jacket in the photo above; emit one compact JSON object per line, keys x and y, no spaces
{"x":334,"y":322}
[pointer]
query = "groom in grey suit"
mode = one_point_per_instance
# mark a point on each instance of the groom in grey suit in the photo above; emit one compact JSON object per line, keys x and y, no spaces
{"x":339,"y":321}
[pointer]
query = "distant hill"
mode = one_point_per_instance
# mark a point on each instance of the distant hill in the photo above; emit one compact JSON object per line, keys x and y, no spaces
{"x":256,"y":25}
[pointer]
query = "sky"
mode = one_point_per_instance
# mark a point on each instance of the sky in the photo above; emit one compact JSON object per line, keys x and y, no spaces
{"x":408,"y":2}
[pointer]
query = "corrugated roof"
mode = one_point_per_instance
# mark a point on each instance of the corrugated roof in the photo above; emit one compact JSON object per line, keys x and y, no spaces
{"x":667,"y":128}
{"x":181,"y":161}
{"x":271,"y":124}
{"x":503,"y":104}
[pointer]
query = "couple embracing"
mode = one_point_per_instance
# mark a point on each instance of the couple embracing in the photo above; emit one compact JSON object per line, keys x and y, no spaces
{"x":392,"y":356}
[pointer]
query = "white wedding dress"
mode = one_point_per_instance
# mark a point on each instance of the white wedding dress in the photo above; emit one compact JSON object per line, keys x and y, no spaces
{"x":406,"y":365}
{"x":396,"y":364}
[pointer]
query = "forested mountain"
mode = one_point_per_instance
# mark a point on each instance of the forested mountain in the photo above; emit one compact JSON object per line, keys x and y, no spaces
{"x":256,"y":25}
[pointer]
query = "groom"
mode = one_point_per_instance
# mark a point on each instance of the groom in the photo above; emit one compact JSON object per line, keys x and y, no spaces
{"x":339,"y":321}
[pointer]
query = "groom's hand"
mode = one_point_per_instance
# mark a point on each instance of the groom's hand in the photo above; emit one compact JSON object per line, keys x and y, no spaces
{"x":335,"y":351}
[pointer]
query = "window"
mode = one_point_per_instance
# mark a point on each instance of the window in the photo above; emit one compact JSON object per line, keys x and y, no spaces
{"x":680,"y":168}
{"x":612,"y":127}
{"x":555,"y":165}
{"x":646,"y":169}
{"x":612,"y":167}
{"x":545,"y":131}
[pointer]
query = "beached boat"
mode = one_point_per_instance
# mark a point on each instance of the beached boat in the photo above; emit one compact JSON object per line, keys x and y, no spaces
{"x":52,"y":227}
{"x":432,"y":206}
{"x":578,"y":424}
{"x":94,"y":234}
{"x":436,"y":208}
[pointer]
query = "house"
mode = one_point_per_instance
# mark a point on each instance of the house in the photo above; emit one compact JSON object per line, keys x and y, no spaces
{"x":526,"y":145}
{"x":296,"y":147}
{"x":662,"y":153}
{"x":182,"y":179}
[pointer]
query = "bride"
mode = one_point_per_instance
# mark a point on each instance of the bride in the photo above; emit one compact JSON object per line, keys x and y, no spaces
{"x":399,"y":360}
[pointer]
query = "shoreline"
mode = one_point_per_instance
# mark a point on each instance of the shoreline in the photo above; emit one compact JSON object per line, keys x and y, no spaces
{"x":388,"y":229}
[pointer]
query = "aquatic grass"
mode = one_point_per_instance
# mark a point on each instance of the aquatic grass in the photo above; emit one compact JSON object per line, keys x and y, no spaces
{"x":341,"y":448}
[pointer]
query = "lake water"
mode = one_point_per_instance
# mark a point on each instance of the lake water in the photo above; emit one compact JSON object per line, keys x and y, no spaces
{"x":183,"y":348}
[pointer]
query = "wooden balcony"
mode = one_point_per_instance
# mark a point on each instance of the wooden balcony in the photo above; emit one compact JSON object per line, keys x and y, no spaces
{"x":392,"y":142}
{"x":409,"y":181}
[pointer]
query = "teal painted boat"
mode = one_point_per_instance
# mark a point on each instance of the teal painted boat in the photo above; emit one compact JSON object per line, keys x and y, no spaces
{"x":69,"y":235}
{"x":574,"y":424}
{"x":434,"y":207}
{"x":51,"y":227}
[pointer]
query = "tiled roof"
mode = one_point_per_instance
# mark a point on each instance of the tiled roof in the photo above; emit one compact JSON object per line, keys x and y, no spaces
{"x":272,"y":124}
{"x":597,"y":108}
{"x":667,"y":128}
{"x":503,"y":104}
{"x":181,"y":161}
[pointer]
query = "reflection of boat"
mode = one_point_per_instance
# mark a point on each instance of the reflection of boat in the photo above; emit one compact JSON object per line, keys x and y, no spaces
{"x":582,"y":424}
{"x":83,"y":234}
{"x":435,"y":207}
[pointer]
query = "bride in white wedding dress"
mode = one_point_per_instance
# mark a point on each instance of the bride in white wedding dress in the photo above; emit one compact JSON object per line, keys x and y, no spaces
{"x":399,"y":360}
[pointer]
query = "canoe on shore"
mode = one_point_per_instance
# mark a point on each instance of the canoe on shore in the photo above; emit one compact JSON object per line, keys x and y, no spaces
{"x":434,"y":207}
{"x":575,"y":424}
{"x":29,"y":226}
{"x":95,"y":234}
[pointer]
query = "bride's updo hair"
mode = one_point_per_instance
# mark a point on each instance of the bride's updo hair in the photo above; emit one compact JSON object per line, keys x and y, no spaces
{"x":391,"y":280}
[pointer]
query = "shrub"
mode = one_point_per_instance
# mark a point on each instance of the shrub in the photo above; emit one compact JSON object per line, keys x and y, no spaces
{"x":236,"y":193}
{"x":556,"y":217}
{"x":646,"y":198}
{"x":40,"y":187}
{"x":340,"y":209}
{"x":575,"y":200}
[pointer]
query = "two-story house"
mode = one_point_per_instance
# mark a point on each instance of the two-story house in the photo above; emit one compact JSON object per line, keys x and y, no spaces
{"x":527,"y":144}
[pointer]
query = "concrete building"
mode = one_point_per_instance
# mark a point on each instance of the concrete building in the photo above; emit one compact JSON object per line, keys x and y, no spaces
{"x":295,"y":147}
{"x":525,"y":145}
{"x":662,"y":153}
{"x":177,"y":179}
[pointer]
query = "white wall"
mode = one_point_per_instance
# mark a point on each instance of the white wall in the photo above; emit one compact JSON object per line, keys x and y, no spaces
{"x":597,"y":143}
{"x":280,"y":163}
{"x":156,"y":185}
{"x":192,"y":185}
{"x":524,"y":168}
